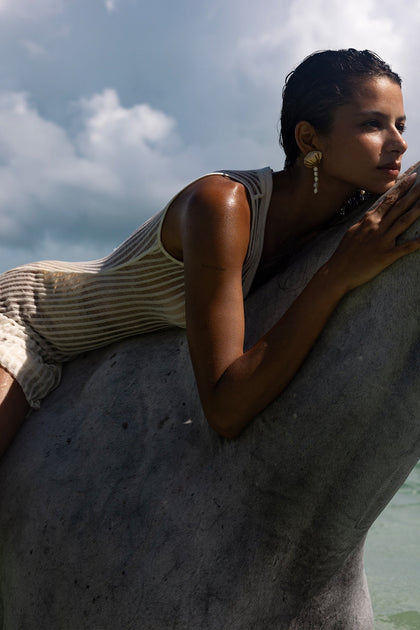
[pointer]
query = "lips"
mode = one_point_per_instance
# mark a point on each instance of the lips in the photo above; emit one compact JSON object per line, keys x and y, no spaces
{"x":393,"y":168}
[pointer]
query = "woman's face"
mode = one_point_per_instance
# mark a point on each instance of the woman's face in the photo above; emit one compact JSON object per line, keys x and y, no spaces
{"x":364,"y":148}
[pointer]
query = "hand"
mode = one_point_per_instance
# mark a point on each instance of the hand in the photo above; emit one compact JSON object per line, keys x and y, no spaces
{"x":371,"y":244}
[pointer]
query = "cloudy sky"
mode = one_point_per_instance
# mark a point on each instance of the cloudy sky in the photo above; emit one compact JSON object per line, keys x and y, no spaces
{"x":108,"y":107}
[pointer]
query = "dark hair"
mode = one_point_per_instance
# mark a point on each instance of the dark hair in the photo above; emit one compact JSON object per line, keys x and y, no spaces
{"x":321,"y":83}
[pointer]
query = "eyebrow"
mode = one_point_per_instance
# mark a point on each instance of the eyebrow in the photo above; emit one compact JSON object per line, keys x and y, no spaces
{"x":380,"y":115}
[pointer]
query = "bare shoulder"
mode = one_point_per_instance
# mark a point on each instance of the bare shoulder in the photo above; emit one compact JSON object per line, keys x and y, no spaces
{"x":217,"y":211}
{"x":213,"y":207}
{"x":217,"y":193}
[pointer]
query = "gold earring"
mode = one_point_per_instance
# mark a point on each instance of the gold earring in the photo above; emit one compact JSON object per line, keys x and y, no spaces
{"x":312,"y":160}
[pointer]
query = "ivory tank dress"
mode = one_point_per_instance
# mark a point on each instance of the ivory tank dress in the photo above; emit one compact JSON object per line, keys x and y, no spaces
{"x":51,"y":311}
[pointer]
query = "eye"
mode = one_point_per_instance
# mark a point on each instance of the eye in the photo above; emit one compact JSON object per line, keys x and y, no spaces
{"x":401,"y":126}
{"x":373,"y":124}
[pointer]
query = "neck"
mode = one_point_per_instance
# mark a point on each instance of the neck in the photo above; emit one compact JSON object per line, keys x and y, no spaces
{"x":298,"y":209}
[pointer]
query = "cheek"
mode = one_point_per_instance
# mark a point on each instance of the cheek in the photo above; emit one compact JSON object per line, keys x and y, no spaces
{"x":371,"y":144}
{"x":347,"y":149}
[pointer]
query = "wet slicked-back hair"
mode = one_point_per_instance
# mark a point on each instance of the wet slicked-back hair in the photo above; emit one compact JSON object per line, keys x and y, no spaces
{"x":319,"y":85}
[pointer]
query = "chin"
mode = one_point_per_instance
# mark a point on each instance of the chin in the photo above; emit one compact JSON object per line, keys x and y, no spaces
{"x":380,"y":190}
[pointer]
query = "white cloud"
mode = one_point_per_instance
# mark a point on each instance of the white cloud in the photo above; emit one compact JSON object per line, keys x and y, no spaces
{"x":333,"y":24}
{"x":38,"y":152}
{"x":319,"y":25}
{"x":29,"y":8}
{"x":138,"y":144}
{"x":110,"y":5}
{"x":54,"y":184}
{"x":34,"y":49}
{"x":108,"y":124}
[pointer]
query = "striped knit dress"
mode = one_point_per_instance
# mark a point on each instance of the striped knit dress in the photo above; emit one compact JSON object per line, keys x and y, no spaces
{"x":52,"y":311}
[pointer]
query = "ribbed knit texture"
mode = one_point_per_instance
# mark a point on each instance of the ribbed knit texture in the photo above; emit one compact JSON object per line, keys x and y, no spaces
{"x":51,"y":311}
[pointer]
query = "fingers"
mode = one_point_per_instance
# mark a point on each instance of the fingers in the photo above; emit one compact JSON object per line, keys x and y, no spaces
{"x":400,"y":208}
{"x":396,"y":194}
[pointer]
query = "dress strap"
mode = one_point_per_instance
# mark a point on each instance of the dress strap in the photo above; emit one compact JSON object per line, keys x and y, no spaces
{"x":259,"y":184}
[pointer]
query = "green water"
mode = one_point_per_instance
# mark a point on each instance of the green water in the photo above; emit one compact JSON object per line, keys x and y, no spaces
{"x":392,"y":560}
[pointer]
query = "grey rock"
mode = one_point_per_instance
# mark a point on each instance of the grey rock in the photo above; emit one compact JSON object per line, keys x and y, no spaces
{"x":121,"y":509}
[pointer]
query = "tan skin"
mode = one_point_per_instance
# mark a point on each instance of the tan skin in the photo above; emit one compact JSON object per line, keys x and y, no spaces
{"x":208,"y":227}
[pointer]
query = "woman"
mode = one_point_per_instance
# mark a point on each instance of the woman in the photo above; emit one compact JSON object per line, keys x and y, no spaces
{"x":192,"y":264}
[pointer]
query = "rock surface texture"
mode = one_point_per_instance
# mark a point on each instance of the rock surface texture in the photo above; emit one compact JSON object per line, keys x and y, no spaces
{"x":121,"y":509}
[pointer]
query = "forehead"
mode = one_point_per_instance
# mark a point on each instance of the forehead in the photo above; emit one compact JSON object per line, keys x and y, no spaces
{"x":380,"y":89}
{"x":374,"y":95}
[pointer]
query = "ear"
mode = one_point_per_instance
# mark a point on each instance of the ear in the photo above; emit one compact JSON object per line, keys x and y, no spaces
{"x":306,"y":137}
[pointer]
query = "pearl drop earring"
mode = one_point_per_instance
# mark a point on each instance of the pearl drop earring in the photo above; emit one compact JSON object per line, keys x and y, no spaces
{"x":312,"y":160}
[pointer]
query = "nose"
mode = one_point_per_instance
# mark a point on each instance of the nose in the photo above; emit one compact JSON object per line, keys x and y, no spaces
{"x":396,"y":142}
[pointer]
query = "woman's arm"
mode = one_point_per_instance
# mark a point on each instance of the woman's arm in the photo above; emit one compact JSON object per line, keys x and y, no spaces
{"x":235,"y":386}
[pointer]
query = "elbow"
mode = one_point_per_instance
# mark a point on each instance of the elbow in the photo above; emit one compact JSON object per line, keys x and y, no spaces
{"x":229,"y":433}
{"x":226,"y":425}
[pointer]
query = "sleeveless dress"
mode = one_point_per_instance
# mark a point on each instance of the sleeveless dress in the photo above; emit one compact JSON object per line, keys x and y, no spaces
{"x":51,"y":311}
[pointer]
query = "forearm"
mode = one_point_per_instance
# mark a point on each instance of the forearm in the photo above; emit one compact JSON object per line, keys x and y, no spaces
{"x":258,"y":376}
